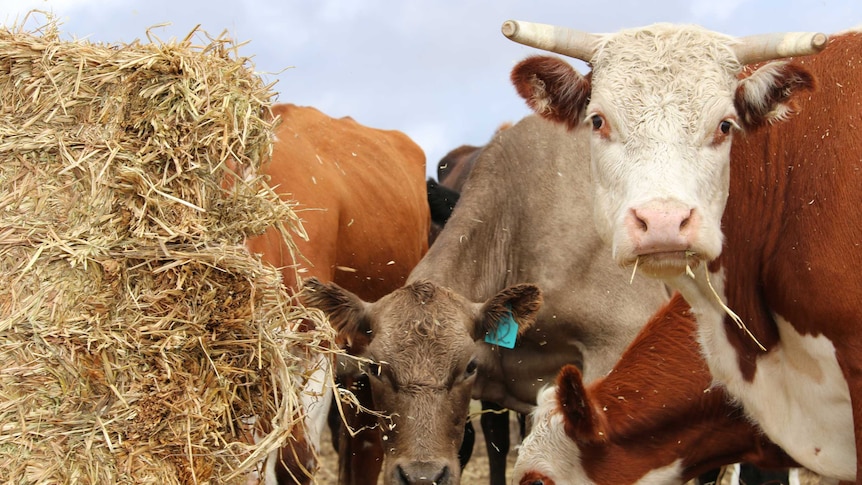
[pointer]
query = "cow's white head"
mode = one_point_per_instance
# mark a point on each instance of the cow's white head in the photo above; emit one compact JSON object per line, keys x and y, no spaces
{"x":663,"y":102}
{"x":548,"y":456}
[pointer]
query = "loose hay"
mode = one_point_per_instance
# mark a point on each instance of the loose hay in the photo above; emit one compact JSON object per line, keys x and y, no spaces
{"x":138,"y":337}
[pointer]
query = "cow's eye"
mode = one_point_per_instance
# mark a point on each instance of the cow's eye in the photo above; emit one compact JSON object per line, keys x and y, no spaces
{"x":722,"y":132}
{"x":373,"y":369}
{"x":598,"y":121}
{"x":471,"y":368}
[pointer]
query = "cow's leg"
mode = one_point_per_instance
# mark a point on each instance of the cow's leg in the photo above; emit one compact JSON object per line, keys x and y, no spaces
{"x":495,"y":426}
{"x":522,"y":425}
{"x":466,"y":450}
{"x":360,"y":457}
{"x":750,"y":474}
{"x":334,"y":421}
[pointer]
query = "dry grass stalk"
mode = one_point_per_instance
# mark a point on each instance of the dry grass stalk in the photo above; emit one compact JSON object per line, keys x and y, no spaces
{"x":138,"y":337}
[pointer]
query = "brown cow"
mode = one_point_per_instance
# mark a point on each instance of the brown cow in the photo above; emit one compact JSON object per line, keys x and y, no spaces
{"x":514,"y":225}
{"x":362,"y":201}
{"x":762,"y":239}
{"x":656,"y":418}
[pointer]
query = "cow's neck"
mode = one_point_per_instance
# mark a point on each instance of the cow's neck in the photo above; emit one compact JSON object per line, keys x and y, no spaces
{"x":658,"y":417}
{"x":469,"y":256}
{"x":782,"y":287}
{"x":748,"y":328}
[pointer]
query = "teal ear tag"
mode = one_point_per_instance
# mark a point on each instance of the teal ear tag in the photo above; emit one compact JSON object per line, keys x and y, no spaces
{"x":507,"y":332}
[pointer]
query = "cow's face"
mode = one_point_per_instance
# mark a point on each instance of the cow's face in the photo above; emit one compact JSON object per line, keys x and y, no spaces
{"x":663,"y":103}
{"x":548,"y":456}
{"x":423,"y":364}
{"x":571,"y":443}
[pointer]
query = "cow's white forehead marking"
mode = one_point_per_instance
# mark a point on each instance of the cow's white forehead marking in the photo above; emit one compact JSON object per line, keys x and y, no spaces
{"x":664,"y":75}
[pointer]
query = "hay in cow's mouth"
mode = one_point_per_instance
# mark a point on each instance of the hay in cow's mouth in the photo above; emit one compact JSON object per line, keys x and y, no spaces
{"x":664,"y":264}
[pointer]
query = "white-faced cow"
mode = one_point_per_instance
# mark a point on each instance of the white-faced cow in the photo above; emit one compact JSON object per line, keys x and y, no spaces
{"x":523,"y":219}
{"x":764,"y":240}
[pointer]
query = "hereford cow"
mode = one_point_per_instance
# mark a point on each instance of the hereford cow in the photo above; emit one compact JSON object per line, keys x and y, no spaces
{"x":523,"y":219}
{"x":762,"y":240}
{"x":656,"y":418}
{"x":361,"y":196}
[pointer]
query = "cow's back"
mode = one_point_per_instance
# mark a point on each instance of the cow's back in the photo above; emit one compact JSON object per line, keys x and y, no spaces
{"x":362,"y":201}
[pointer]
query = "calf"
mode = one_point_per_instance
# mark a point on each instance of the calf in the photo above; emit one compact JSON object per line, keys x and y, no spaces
{"x":760,"y":235}
{"x":656,"y":418}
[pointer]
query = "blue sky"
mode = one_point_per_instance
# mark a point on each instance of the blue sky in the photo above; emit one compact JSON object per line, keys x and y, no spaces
{"x":436,"y":69}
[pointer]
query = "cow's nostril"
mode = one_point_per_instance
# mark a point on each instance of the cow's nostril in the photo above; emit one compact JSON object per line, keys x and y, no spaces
{"x":403,"y":478}
{"x":443,"y":476}
{"x":685,"y":221}
{"x":642,"y":223}
{"x":423,"y":473}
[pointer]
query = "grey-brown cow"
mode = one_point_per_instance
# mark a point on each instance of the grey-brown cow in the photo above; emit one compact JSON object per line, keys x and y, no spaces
{"x":524,"y":221}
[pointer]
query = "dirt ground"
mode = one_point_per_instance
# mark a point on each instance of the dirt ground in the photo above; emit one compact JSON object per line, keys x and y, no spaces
{"x":476,"y":471}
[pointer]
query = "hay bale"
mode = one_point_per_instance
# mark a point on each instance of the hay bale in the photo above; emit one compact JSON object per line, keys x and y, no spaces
{"x":138,"y":337}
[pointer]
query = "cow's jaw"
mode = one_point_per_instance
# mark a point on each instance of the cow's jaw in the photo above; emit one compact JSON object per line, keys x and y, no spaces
{"x":798,"y":395}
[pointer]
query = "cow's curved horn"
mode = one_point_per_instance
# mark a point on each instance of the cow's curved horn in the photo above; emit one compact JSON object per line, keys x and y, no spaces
{"x":569,"y":42}
{"x":765,"y":47}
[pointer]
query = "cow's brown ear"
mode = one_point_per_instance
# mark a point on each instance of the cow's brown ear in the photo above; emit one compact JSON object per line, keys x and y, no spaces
{"x":769,"y":93}
{"x":514,"y":306}
{"x":553,"y":89}
{"x":583,"y":424}
{"x":347,"y":313}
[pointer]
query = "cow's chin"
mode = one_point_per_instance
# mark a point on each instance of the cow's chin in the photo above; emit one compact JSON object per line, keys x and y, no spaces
{"x":664,"y":265}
